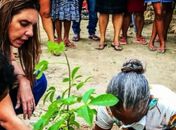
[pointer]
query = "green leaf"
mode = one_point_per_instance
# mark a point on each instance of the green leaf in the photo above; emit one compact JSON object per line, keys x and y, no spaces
{"x":39,"y":75}
{"x":79,"y":76}
{"x":45,"y":97}
{"x":87,"y":95}
{"x":74,"y":71}
{"x":75,"y":123}
{"x":42,"y":65}
{"x":87,"y":79}
{"x":55,"y":48}
{"x":50,"y":93}
{"x":44,"y":120}
{"x":70,"y":100}
{"x":105,"y":100}
{"x":40,"y":68}
{"x":39,"y":124}
{"x":66,"y":79}
{"x":86,"y":113}
{"x":80,"y":85}
{"x":63,"y":93}
{"x":57,"y":125}
{"x":51,"y":97}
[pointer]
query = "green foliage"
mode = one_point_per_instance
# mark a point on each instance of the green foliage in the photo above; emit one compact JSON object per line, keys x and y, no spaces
{"x":40,"y":68}
{"x":104,"y":100}
{"x":61,"y":113}
{"x":55,"y":48}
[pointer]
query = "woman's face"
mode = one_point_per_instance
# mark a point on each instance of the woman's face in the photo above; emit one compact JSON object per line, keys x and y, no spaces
{"x":21,"y":27}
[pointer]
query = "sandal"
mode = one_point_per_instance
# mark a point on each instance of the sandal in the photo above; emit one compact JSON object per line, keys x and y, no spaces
{"x":69,"y":44}
{"x":116,"y":46}
{"x":152,"y":48}
{"x":94,"y":37}
{"x":101,"y":46}
{"x":140,"y":40}
{"x":161,"y":50}
{"x":123,"y":41}
{"x":76,"y":38}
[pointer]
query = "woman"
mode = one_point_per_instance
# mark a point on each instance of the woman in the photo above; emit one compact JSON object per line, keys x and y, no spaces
{"x":138,"y":107}
{"x":8,"y":118}
{"x":18,"y":29}
{"x":63,"y":12}
{"x":160,"y":24}
{"x":135,"y":8}
{"x":105,"y":8}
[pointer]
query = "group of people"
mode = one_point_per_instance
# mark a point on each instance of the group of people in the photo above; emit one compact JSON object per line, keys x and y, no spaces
{"x":138,"y":107}
{"x":65,"y":11}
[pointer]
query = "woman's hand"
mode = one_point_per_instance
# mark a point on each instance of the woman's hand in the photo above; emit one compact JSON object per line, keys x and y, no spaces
{"x":8,"y":118}
{"x":25,"y":97}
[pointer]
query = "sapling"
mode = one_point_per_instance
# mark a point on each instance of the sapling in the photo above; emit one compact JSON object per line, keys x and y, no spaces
{"x":62,"y":112}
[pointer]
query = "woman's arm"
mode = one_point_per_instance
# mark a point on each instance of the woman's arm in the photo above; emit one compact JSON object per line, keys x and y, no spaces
{"x":8,"y":118}
{"x":24,"y":96}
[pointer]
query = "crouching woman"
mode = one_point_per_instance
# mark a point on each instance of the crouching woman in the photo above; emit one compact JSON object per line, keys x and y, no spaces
{"x":139,"y":108}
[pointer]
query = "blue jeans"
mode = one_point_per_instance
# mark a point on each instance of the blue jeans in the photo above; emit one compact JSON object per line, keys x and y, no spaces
{"x":92,"y":18}
{"x":38,"y":90}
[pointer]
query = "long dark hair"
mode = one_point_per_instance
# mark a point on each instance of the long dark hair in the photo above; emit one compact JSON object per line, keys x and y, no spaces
{"x":28,"y":52}
{"x":7,"y":77}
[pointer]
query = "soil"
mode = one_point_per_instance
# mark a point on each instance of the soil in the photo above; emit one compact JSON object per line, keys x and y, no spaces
{"x":102,"y":65}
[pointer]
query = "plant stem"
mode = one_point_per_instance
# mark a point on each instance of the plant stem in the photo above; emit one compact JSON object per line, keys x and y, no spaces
{"x":69,"y":89}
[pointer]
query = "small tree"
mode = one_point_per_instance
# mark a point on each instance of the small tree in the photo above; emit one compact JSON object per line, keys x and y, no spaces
{"x":62,"y":112}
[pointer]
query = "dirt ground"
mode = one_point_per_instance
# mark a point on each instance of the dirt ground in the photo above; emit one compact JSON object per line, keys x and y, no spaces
{"x":102,"y":65}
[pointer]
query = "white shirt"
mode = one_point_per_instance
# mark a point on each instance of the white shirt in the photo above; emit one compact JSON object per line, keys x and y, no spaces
{"x":155,"y":119}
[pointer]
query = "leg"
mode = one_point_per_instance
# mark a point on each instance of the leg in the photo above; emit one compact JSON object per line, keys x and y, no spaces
{"x":139,"y":22}
{"x":67,"y":42}
{"x":152,"y":38}
{"x":159,"y":24}
{"x":103,"y":23}
{"x":125,"y":26}
{"x":58,"y":25}
{"x":93,"y":19}
{"x":117,"y":20}
{"x":46,"y":18}
{"x":168,"y":7}
{"x":76,"y":25}
{"x":38,"y":90}
{"x":54,"y":28}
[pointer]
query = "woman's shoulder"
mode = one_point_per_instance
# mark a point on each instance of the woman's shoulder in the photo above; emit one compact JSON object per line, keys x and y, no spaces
{"x":165,"y":108}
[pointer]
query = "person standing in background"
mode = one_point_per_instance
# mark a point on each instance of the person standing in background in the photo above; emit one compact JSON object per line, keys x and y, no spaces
{"x":135,"y":8}
{"x":117,"y":9}
{"x":63,"y":12}
{"x":158,"y":25}
{"x":92,"y":22}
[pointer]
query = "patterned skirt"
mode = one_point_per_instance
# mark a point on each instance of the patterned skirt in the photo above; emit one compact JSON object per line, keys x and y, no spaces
{"x":65,"y":10}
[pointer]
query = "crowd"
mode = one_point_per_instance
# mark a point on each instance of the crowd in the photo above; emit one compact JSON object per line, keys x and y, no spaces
{"x":63,"y":13}
{"x":138,"y":108}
